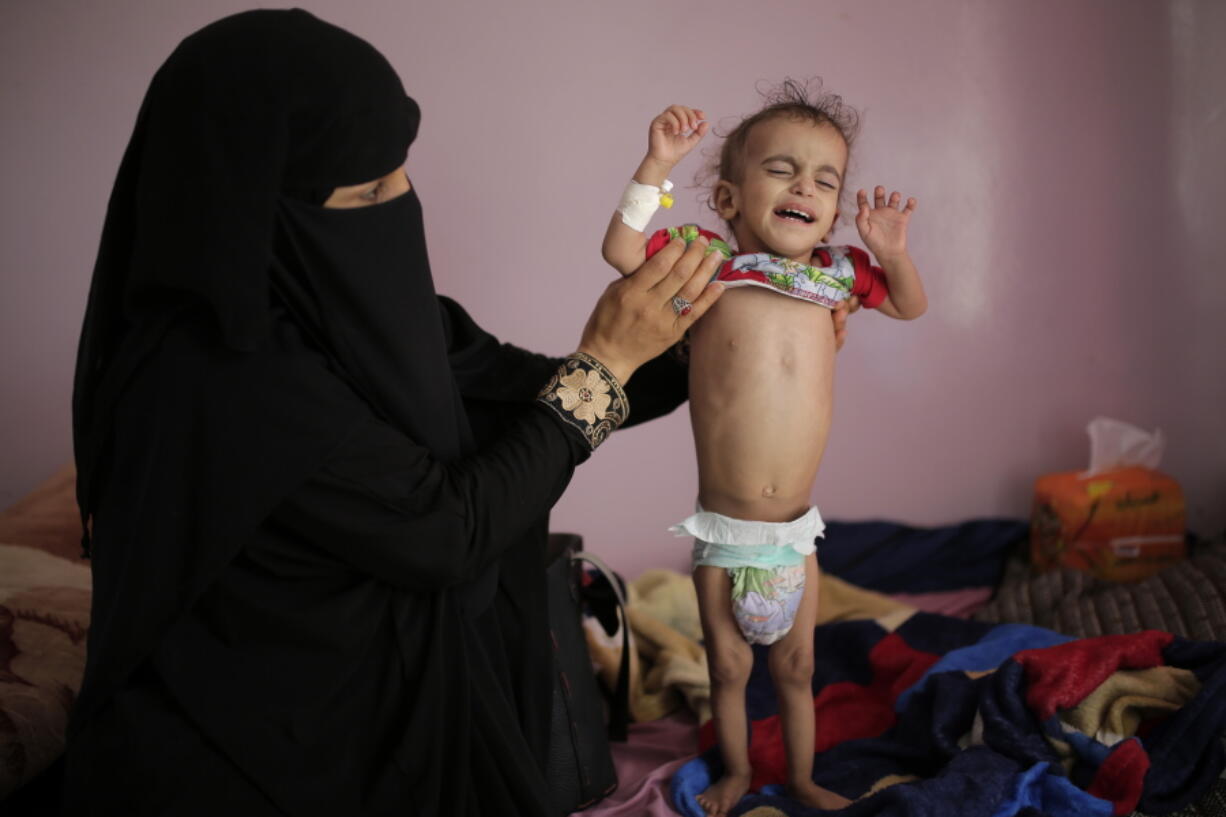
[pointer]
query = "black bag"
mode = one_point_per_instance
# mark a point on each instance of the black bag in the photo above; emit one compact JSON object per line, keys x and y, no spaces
{"x":580,"y":768}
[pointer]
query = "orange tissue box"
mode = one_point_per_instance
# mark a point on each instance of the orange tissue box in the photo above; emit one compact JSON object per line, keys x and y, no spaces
{"x":1120,"y":525}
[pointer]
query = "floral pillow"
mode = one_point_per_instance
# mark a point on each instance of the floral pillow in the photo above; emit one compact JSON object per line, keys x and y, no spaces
{"x":44,"y":618}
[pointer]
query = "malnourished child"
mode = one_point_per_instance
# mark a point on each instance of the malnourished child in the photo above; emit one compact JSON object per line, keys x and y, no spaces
{"x":761,"y":381}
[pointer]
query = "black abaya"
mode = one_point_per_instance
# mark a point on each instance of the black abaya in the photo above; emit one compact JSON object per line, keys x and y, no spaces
{"x":334,"y":665}
{"x":319,"y":493}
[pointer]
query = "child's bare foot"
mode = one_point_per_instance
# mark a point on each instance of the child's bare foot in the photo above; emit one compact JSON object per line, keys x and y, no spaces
{"x":724,"y":793}
{"x":815,"y":796}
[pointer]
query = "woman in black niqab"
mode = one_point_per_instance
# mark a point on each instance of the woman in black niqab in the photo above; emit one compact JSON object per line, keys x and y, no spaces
{"x":318,"y":493}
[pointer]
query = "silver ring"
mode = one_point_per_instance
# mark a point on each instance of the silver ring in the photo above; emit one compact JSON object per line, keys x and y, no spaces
{"x":681,"y":306}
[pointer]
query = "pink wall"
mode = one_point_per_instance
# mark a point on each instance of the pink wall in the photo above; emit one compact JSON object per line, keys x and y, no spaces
{"x":1066,"y":157}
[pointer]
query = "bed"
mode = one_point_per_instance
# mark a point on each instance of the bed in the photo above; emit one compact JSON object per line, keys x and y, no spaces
{"x":44,"y":616}
{"x":930,"y":641}
{"x":952,"y":680}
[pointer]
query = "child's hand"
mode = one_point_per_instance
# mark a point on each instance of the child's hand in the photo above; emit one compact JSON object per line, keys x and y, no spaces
{"x":883,"y":227}
{"x":674,"y":133}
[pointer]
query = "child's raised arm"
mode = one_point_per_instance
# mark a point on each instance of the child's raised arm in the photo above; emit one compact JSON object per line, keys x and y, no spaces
{"x":883,"y":228}
{"x":671,"y":136}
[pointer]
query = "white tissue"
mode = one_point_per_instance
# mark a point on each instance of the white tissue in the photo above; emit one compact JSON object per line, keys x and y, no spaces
{"x":1116,"y":444}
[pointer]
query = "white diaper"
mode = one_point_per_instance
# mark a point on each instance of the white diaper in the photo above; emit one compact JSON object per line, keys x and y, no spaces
{"x":765,"y":561}
{"x":722,"y":541}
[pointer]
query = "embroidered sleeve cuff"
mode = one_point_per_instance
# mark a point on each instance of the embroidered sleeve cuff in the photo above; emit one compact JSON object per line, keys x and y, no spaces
{"x":587,"y":397}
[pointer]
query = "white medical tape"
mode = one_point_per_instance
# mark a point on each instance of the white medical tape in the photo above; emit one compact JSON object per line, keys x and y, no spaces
{"x":640,"y":202}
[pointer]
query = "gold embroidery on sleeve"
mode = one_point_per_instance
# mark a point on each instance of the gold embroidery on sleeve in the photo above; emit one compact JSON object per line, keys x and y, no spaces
{"x":587,"y":397}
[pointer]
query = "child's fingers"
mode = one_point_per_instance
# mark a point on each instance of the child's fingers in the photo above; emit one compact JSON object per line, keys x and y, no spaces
{"x":911,"y":203}
{"x":702,"y":129}
{"x":862,"y":218}
{"x":680,"y":117}
{"x":861,"y":199}
{"x":684,"y":118}
{"x":895,"y":198}
{"x":879,"y":196}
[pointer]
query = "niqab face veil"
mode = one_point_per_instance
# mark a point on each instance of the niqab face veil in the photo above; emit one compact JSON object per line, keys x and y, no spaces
{"x":344,"y":276}
{"x":208,"y":217}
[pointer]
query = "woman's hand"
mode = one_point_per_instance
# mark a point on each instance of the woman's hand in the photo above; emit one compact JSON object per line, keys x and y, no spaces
{"x":635,"y":321}
{"x":841,"y":312}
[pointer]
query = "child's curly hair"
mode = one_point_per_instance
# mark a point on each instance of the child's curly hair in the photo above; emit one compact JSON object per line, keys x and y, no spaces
{"x":805,"y":101}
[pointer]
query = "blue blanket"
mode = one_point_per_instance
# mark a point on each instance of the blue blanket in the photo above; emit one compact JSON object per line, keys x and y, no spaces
{"x":892,"y":558}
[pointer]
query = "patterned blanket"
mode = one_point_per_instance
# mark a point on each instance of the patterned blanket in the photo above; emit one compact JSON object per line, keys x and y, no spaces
{"x":920,"y":714}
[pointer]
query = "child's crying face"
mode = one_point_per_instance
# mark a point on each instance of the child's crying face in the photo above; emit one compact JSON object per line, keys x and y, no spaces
{"x":786,"y":200}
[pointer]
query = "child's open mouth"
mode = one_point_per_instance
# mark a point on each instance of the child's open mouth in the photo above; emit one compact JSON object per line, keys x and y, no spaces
{"x":792,"y":214}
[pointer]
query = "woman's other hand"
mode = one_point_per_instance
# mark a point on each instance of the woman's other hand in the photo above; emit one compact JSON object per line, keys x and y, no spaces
{"x":840,"y":320}
{"x":635,"y":320}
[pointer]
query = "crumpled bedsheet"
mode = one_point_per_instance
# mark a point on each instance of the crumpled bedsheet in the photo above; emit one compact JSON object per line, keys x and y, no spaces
{"x":668,"y":666}
{"x":922,"y":714}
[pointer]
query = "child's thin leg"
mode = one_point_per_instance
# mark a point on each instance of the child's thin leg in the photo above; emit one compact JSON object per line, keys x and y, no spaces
{"x":791,"y":666}
{"x":729,"y":661}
